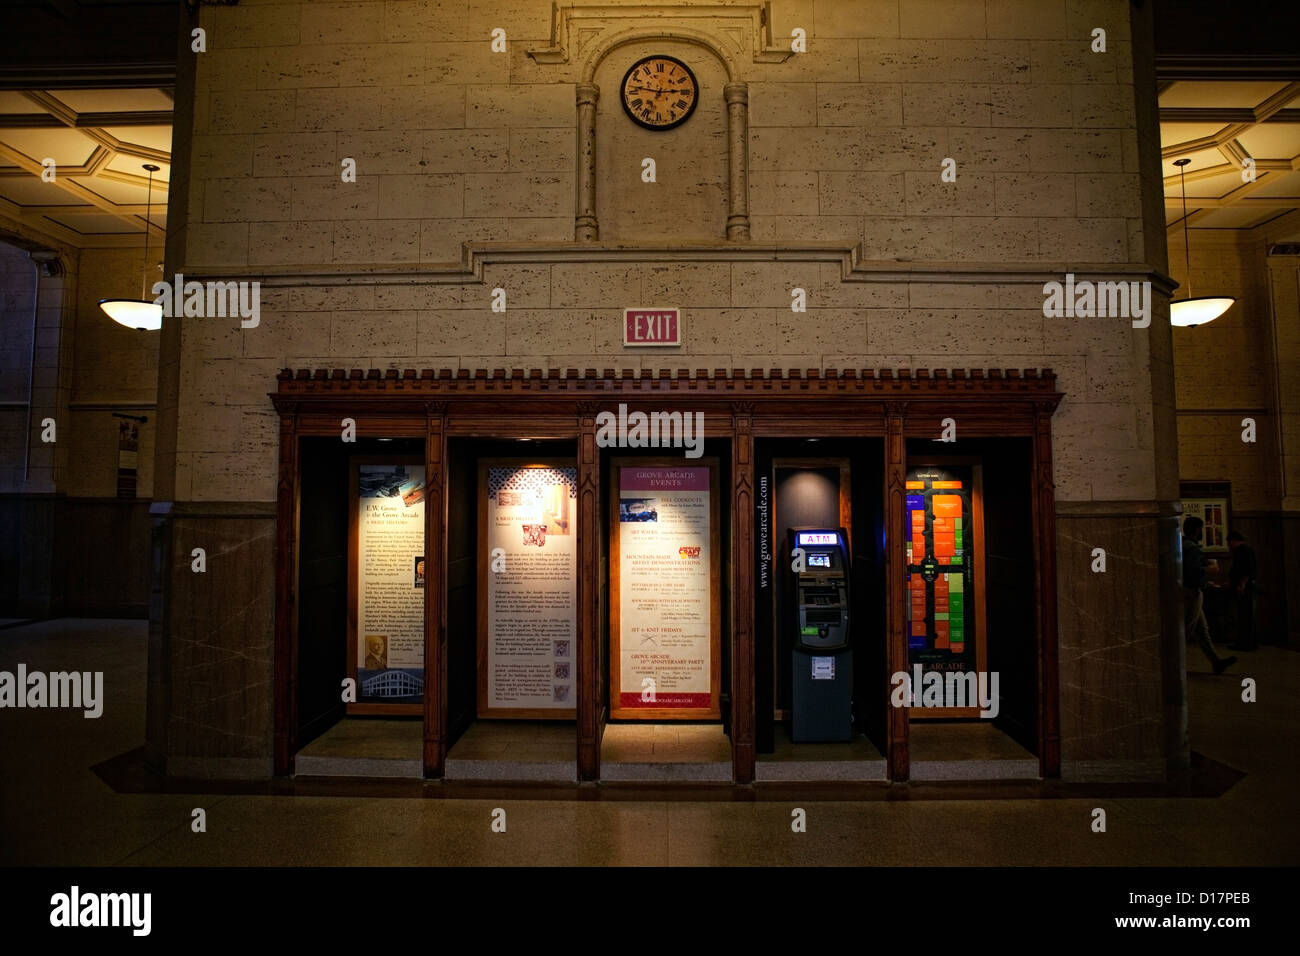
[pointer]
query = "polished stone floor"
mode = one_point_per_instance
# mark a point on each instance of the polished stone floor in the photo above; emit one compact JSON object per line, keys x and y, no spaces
{"x":54,"y":809}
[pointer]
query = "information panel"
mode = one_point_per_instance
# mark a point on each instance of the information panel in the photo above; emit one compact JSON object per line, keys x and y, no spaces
{"x":386,"y":597}
{"x":665,"y":634}
{"x":527,"y":590}
{"x":945,"y":574}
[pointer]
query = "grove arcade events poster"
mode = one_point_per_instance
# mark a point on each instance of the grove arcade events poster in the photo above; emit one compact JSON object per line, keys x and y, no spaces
{"x":389,"y":644}
{"x":666,"y":656}
{"x":527,"y":649}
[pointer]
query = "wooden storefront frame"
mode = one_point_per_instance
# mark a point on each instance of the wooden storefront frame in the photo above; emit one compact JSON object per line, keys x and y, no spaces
{"x":739,"y":406}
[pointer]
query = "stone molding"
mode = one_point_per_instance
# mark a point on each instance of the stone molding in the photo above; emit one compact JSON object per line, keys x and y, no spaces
{"x":853,"y":267}
{"x":583,"y":34}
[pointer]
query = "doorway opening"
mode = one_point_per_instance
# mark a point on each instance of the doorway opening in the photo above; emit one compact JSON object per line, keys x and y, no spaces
{"x":972,"y":649}
{"x":373,"y":728}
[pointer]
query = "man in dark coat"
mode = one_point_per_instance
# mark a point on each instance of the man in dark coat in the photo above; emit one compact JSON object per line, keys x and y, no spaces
{"x":1193,"y":600}
{"x":1241,"y":578}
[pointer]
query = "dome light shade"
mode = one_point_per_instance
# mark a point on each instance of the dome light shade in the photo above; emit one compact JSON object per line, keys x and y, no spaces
{"x":1193,"y":311}
{"x":1187,"y":313}
{"x":139,"y":314}
{"x":134,"y":313}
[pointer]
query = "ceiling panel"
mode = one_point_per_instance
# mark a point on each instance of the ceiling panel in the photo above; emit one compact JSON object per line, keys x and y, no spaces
{"x":1235,"y":217}
{"x":122,"y":193}
{"x":113,"y":101}
{"x":1280,"y":184}
{"x":1272,"y":140}
{"x":89,"y":223}
{"x":28,"y":190}
{"x":15,"y":102}
{"x":1217,"y":94}
{"x":154,"y":137}
{"x":134,"y":166}
{"x":1171,"y":133}
{"x":1201,"y":159}
{"x":67,"y":147}
{"x":1214,"y":174}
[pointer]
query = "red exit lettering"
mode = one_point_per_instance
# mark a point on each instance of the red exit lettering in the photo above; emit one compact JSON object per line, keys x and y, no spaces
{"x":651,"y":327}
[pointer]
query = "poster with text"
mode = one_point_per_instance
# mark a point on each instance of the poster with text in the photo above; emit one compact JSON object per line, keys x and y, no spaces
{"x":390,"y":568}
{"x":528,"y":574}
{"x":666,"y":654}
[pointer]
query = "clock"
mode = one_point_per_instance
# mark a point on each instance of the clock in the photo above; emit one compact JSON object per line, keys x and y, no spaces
{"x":660,"y":92}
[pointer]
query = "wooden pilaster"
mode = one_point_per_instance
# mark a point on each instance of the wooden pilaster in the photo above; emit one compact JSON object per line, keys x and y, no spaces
{"x":1049,"y":673}
{"x":896,"y":581}
{"x":589,"y":669}
{"x":742,"y":593}
{"x":435,"y":590}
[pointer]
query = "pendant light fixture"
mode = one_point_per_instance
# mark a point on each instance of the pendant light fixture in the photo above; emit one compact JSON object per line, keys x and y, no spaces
{"x":1190,"y":312}
{"x":143,"y":313}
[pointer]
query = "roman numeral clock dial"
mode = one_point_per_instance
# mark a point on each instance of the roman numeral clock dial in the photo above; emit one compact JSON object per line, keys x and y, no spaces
{"x":660,"y":92}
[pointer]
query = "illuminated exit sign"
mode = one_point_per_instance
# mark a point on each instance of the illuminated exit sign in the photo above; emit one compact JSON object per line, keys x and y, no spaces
{"x":652,"y":327}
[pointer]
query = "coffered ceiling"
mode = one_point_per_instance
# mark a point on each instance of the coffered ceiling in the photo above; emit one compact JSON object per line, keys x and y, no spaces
{"x":99,"y":139}
{"x":1219,"y":125}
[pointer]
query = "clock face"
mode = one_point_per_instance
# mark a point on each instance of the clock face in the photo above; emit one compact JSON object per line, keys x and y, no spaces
{"x":660,"y":92}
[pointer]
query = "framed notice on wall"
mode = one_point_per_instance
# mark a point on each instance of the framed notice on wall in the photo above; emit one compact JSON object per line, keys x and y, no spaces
{"x":386,"y":582}
{"x":665,"y":607}
{"x":527,"y":589}
{"x":1214,"y":512}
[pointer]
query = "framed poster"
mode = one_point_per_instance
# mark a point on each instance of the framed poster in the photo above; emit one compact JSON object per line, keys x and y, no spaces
{"x":527,"y":589}
{"x":665,"y":655}
{"x":1214,"y":512}
{"x":945,"y":573}
{"x":386,"y":581}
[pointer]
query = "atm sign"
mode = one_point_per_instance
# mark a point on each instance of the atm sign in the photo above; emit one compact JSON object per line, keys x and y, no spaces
{"x":813,"y":537}
{"x":652,"y":327}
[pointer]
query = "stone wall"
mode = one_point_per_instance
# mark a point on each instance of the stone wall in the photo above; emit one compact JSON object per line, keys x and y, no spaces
{"x":470,"y":167}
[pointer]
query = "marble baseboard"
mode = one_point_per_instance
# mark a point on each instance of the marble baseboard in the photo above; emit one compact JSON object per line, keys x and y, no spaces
{"x":357,"y":767}
{"x":561,"y":771}
{"x":220,"y":768}
{"x":819,"y":771}
{"x":665,"y":772}
{"x":973,"y":769}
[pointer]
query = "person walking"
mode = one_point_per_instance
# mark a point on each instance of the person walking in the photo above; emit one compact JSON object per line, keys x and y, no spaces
{"x":1197,"y":628}
{"x":1241,"y":578}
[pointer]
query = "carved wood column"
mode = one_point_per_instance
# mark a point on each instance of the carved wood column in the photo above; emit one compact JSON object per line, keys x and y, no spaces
{"x":589,"y":669}
{"x":286,"y":563}
{"x":896,"y":582}
{"x":435,"y":589}
{"x":742,"y":593}
{"x":737,"y":97}
{"x":586,"y":228}
{"x":1049,"y":668}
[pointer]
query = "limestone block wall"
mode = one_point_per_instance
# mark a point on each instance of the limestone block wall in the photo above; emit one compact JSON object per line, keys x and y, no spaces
{"x":472,"y":168}
{"x":456,"y":144}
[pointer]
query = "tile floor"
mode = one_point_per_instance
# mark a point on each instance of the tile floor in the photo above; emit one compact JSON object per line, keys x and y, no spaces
{"x":54,"y":809}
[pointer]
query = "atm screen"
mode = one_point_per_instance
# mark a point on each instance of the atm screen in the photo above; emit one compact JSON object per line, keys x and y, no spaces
{"x":819,"y":560}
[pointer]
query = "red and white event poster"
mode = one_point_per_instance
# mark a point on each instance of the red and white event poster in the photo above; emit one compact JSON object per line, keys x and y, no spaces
{"x":665,"y":653}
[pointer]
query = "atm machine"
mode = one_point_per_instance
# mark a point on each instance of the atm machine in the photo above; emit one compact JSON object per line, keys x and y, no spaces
{"x":817,"y":627}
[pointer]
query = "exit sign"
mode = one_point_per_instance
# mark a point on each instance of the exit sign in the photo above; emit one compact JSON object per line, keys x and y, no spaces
{"x":652,"y":327}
